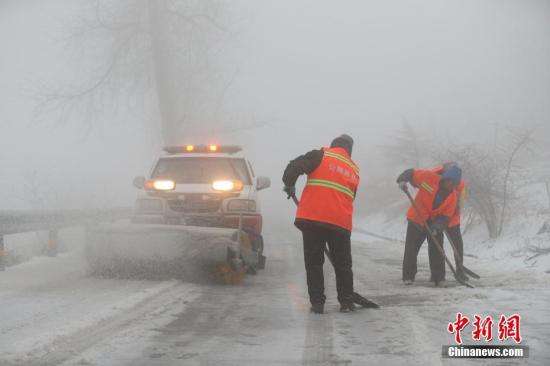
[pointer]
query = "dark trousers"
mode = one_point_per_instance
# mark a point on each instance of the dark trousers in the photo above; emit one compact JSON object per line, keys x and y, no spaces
{"x":416,"y":236}
{"x":456,"y":236}
{"x":315,"y":239}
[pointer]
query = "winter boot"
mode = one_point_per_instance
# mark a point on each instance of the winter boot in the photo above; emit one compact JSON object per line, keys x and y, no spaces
{"x":317,"y":308}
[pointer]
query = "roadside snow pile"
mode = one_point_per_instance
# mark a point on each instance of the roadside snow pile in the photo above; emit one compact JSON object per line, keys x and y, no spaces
{"x":524,"y":242}
{"x":23,"y":247}
{"x":519,"y":247}
{"x":390,"y":224}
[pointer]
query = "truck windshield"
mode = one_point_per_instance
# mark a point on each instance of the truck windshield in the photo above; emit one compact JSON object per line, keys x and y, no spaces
{"x":201,"y":170}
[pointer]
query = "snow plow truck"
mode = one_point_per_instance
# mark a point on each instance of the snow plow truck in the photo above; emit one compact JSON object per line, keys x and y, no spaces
{"x":197,"y":209}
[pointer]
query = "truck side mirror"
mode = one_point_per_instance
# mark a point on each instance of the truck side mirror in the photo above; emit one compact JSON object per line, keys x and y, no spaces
{"x":139,"y":182}
{"x":262,"y":183}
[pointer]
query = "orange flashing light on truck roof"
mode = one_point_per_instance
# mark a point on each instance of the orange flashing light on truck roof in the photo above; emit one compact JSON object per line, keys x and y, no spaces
{"x":211,"y":148}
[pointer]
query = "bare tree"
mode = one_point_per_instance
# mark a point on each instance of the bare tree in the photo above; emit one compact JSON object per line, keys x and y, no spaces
{"x":36,"y":191}
{"x":406,"y":148}
{"x":165,"y":53}
{"x":520,"y":142}
{"x":493,"y":175}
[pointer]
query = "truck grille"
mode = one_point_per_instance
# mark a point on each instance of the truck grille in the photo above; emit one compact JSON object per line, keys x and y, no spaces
{"x":197,"y":203}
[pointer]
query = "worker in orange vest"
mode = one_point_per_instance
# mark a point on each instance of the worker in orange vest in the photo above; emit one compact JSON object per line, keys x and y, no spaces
{"x":436,"y":201}
{"x":454,"y":229}
{"x":324,"y":216}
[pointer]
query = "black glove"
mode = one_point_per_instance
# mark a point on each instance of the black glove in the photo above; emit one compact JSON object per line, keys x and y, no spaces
{"x":290,"y":191}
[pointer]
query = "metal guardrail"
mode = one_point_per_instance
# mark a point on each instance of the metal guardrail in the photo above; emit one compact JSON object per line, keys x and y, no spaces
{"x":22,"y":221}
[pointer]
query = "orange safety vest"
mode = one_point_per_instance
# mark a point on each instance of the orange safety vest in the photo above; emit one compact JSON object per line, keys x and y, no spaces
{"x":461,"y":193}
{"x":330,"y":190}
{"x":427,"y":183}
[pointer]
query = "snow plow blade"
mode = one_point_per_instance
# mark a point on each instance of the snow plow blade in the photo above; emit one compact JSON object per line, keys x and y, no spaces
{"x":151,"y":250}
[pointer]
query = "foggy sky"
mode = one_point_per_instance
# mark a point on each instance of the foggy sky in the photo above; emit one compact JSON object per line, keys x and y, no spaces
{"x":310,"y":69}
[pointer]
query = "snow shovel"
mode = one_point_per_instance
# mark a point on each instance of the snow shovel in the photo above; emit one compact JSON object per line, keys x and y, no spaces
{"x":435,"y":241}
{"x":357,"y":299}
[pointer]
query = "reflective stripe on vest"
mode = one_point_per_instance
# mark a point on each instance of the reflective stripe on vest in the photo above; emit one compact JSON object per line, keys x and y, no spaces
{"x":427,"y":187}
{"x":428,"y":183}
{"x":343,"y":159}
{"x":332,"y":185}
{"x":330,"y":190}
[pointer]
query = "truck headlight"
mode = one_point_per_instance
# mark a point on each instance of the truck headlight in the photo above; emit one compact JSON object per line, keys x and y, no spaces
{"x":160,"y":184}
{"x":241,"y":206}
{"x":227,"y":185}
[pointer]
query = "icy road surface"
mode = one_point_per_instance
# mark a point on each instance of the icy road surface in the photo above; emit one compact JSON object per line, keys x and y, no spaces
{"x":52,"y":313}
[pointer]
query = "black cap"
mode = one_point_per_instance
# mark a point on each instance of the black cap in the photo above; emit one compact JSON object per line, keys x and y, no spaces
{"x":344,"y":141}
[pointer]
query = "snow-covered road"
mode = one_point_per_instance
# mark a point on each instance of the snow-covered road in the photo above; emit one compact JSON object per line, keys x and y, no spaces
{"x":54,"y":313}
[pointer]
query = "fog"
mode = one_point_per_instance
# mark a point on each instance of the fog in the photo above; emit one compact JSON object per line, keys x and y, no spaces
{"x":302,"y":73}
{"x":94,"y":270}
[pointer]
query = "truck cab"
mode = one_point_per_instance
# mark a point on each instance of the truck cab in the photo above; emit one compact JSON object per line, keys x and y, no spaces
{"x":201,"y":185}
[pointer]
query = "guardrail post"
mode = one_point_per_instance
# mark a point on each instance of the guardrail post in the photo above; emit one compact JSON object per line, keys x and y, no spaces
{"x":2,"y":254}
{"x":52,"y":243}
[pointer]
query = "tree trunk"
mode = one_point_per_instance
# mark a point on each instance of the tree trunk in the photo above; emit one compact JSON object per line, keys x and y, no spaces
{"x":163,"y":71}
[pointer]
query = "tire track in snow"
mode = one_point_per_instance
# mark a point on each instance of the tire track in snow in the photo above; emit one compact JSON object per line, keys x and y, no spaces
{"x":318,"y":343}
{"x":258,"y":322}
{"x":66,"y":347}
